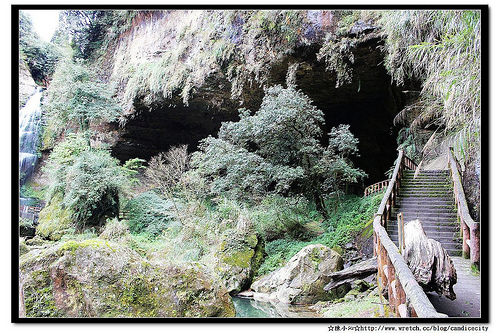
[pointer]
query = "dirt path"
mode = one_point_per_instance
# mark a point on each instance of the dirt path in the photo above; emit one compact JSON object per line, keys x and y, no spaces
{"x":468,"y":290}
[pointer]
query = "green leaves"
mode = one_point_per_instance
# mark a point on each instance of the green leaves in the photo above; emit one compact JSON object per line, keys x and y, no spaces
{"x":89,"y":180}
{"x":75,"y":97}
{"x":40,"y":56}
{"x":277,"y":150}
{"x":442,"y":49}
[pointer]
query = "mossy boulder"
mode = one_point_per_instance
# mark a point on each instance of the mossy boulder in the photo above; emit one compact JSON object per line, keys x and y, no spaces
{"x":302,"y":279}
{"x":239,"y":256}
{"x":99,"y":278}
{"x":54,"y":220}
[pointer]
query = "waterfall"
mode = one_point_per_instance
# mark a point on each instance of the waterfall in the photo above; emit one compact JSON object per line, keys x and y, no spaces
{"x":29,"y":126}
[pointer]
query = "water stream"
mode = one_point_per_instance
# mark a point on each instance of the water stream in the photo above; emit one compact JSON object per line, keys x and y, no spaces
{"x":30,"y":117}
{"x":250,"y":308}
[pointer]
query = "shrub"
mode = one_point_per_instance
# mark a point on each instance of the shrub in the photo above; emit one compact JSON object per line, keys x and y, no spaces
{"x":353,"y":214}
{"x":89,"y":181}
{"x":149,"y":213}
{"x":40,"y":56}
{"x":76,"y":98}
{"x":277,"y":217}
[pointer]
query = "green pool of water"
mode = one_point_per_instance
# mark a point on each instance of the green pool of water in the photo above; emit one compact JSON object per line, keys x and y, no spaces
{"x":246,"y":308}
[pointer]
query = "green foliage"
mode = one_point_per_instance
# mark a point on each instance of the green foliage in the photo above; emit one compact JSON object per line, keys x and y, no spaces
{"x":339,"y":58}
{"x":337,"y":49}
{"x":93,"y":185}
{"x":62,"y":157}
{"x":40,"y":56}
{"x":277,"y":217}
{"x":131,"y":169}
{"x":241,"y":44}
{"x":352,"y":215}
{"x":149,"y":213}
{"x":442,"y":49}
{"x":277,"y":150}
{"x":85,"y":29}
{"x":89,"y":180}
{"x":76,"y":98}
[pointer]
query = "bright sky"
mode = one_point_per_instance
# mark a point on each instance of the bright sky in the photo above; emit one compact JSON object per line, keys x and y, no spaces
{"x":44,"y":22}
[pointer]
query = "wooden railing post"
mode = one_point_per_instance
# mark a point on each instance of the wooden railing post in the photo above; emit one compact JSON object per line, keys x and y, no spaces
{"x":394,"y":278}
{"x":470,"y":229}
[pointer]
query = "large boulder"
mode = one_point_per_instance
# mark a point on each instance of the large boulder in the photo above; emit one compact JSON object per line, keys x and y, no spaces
{"x":54,"y":221}
{"x":98,"y":278}
{"x":238,"y":258}
{"x":303,"y":278}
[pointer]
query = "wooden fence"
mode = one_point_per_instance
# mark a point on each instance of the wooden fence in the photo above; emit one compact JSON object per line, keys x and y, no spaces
{"x":395,"y":280}
{"x":377,"y":187}
{"x":29,"y":212}
{"x":468,"y":227}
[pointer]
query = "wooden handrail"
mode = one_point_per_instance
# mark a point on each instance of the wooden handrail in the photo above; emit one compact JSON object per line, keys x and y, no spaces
{"x":406,"y":297}
{"x":469,"y":228}
{"x":377,"y":187}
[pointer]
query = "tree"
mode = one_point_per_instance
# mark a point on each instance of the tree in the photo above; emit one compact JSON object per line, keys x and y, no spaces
{"x":278,"y":150}
{"x":84,"y":30}
{"x":40,"y":56}
{"x":165,"y":170}
{"x":77,"y":98}
{"x":89,"y":181}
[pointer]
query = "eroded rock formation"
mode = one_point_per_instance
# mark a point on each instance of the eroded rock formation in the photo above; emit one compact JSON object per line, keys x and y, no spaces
{"x":239,"y":256}
{"x":303,"y":278}
{"x":98,"y":278}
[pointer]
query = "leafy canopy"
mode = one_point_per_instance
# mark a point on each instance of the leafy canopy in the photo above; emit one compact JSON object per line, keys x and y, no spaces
{"x":89,"y":180}
{"x":76,"y":98}
{"x":278,"y":150}
{"x":40,"y":56}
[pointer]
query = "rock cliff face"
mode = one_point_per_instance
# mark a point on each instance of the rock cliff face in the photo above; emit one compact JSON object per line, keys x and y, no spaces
{"x":99,"y":278}
{"x":154,"y":123}
{"x":27,"y":85}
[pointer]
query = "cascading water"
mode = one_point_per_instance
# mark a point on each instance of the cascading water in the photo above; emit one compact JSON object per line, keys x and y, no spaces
{"x":30,"y":118}
{"x":29,"y":126}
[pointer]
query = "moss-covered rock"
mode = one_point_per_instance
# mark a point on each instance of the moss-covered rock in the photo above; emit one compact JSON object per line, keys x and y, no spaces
{"x":23,"y":248}
{"x":99,"y":278}
{"x":302,"y":279}
{"x":54,"y":220}
{"x":239,"y":256}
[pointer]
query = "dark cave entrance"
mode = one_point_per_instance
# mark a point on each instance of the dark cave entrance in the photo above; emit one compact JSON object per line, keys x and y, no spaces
{"x":368,"y":104}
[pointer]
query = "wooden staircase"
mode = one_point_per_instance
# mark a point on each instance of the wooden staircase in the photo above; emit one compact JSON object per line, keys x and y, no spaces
{"x":429,"y":198}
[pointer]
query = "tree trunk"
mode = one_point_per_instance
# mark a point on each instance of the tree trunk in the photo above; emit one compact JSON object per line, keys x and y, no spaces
{"x":356,"y":272}
{"x":428,"y":261}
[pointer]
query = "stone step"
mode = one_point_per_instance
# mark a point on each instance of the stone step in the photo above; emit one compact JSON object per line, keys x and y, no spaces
{"x":434,"y":181}
{"x":427,"y":172}
{"x":426,"y":179}
{"x":442,"y":230}
{"x":426,"y":187}
{"x":443,"y":201}
{"x":426,"y":218}
{"x":429,"y":198}
{"x":425,"y":192}
{"x":430,"y":208}
{"x":453,"y":248}
{"x":425,"y":195}
{"x":428,"y":223}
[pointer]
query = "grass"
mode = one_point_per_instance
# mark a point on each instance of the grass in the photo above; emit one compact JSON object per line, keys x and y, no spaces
{"x":364,"y":307}
{"x":352,"y":217}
